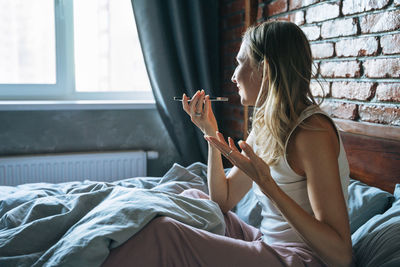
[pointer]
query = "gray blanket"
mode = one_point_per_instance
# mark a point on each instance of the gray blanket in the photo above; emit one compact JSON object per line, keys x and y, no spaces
{"x":77,"y":223}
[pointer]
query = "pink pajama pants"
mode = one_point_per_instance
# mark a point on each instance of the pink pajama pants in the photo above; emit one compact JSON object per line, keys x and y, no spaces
{"x":167,"y":242}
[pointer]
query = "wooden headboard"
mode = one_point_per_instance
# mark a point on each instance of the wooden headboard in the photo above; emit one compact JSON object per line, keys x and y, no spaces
{"x":373,"y":160}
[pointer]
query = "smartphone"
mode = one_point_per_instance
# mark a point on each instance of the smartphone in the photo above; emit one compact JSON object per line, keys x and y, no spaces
{"x":212,"y":98}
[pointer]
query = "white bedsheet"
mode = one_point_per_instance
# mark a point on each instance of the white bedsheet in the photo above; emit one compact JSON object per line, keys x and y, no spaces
{"x":77,"y":223}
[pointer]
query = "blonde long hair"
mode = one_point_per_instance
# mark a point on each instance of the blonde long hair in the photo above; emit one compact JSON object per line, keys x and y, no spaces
{"x":283,"y":51}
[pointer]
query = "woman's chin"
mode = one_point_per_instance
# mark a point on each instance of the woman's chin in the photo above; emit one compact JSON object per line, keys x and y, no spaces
{"x":244,"y":101}
{"x":247,"y":103}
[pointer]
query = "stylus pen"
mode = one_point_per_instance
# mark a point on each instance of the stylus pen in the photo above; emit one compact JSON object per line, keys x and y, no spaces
{"x":217,"y":98}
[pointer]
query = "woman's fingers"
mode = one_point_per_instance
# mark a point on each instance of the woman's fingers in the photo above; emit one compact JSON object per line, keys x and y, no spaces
{"x":228,"y":148}
{"x":232,"y":144}
{"x":247,"y":149}
{"x":229,"y":151}
{"x":232,"y":152}
{"x":235,"y":157}
{"x":196,"y":104}
{"x":249,"y":162}
{"x":261,"y":168}
{"x":199,"y":105}
{"x":193,"y":103}
{"x":207,"y":104}
{"x":218,"y":142}
{"x":185,"y":104}
{"x":220,"y":137}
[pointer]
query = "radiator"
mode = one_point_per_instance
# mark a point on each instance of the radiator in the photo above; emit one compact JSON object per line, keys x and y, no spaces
{"x":57,"y":168}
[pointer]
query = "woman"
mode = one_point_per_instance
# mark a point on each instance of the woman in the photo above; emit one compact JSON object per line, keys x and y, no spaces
{"x":293,"y":160}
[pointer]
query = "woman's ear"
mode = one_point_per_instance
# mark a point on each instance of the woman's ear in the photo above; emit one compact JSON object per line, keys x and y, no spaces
{"x":260,"y":65}
{"x":260,"y":68}
{"x":265,"y":66}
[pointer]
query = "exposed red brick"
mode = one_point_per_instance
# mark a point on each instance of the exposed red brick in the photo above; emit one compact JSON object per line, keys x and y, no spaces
{"x":347,"y":111}
{"x":382,"y":67}
{"x":234,"y":20}
{"x":235,"y":135}
{"x":340,"y":69}
{"x":380,"y":114}
{"x":227,"y":74}
{"x":233,"y":34}
{"x":234,"y":125}
{"x":339,"y":27}
{"x":357,"y":6}
{"x":234,"y":100}
{"x":312,"y":32}
{"x":322,"y":50}
{"x":229,"y":88}
{"x":234,"y":7}
{"x":233,"y":112}
{"x":277,"y":7}
{"x":357,"y":47}
{"x":297,"y":17}
{"x":322,"y":12}
{"x":314,"y":69}
{"x":388,"y":92}
{"x":390,"y":44}
{"x":232,"y":47}
{"x":353,"y":90}
{"x":295,"y":4}
{"x":262,"y":12}
{"x":380,"y":22}
{"x":283,"y":17}
{"x":320,"y":88}
{"x":228,"y":60}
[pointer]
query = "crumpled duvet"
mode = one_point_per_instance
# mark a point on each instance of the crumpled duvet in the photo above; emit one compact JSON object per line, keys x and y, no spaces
{"x":77,"y":223}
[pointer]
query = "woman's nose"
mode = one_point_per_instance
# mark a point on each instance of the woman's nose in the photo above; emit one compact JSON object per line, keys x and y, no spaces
{"x":233,"y":79}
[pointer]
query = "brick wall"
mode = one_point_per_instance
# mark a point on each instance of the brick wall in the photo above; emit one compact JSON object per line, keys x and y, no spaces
{"x":356,"y":49}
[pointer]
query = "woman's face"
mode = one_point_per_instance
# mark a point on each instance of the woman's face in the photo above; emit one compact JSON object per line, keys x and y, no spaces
{"x":247,"y":78}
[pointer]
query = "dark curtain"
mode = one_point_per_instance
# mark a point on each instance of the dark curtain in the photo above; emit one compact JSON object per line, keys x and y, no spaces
{"x":179,"y":40}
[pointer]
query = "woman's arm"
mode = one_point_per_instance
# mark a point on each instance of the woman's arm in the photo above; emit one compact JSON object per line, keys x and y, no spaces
{"x":226,"y":191}
{"x":327,"y":232}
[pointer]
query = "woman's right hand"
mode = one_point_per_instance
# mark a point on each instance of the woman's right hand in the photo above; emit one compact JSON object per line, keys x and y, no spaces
{"x":200,"y":112}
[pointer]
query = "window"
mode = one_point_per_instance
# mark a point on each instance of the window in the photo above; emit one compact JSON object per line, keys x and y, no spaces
{"x":70,"y":50}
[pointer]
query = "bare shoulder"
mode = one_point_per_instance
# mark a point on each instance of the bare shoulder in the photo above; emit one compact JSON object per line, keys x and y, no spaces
{"x":316,"y":139}
{"x":316,"y":128}
{"x":319,"y":121}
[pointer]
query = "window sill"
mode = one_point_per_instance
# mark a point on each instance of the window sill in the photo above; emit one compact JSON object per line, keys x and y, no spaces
{"x":8,"y":105}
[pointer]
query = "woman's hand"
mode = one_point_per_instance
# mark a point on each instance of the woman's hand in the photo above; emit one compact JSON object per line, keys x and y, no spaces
{"x":249,"y":162}
{"x":200,"y":112}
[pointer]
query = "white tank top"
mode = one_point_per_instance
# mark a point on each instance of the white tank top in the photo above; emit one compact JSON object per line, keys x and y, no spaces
{"x":274,"y":226}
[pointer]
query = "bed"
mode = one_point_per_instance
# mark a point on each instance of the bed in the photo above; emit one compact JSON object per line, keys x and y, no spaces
{"x":78,"y":223}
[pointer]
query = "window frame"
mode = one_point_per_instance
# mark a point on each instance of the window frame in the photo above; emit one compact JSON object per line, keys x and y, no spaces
{"x":64,"y":88}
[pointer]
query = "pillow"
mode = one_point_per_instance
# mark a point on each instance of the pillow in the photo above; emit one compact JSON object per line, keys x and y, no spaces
{"x":364,"y":202}
{"x":249,"y":209}
{"x":377,"y":242}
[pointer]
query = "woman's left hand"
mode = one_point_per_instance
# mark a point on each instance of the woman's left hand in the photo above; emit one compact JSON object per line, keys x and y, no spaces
{"x":249,"y":162}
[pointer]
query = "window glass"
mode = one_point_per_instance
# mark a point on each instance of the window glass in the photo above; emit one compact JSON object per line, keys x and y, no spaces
{"x":27,"y":42}
{"x":107,"y":51}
